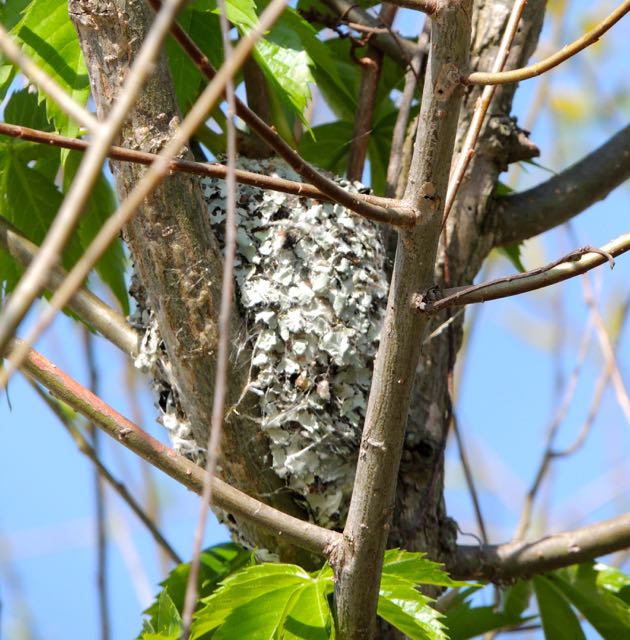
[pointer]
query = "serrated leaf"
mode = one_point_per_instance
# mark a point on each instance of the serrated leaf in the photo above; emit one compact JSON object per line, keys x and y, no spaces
{"x":101,"y":204}
{"x":558,"y":618}
{"x":239,"y":590}
{"x":609,"y":614}
{"x":50,"y":39}
{"x":167,"y":622}
{"x":417,"y":569}
{"x":404,"y":607}
{"x":261,"y":618}
{"x":216,"y":563}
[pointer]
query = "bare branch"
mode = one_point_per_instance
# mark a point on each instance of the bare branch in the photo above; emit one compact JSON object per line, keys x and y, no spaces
{"x":293,"y":530}
{"x":526,"y":214}
{"x":85,"y":448}
{"x":223,"y":351}
{"x":569,"y":266}
{"x":371,"y":65}
{"x":91,"y":309}
{"x":371,"y":506}
{"x":504,"y":563}
{"x":211,"y":169}
{"x":425,"y":6}
{"x":32,"y":282}
{"x":157,"y":172}
{"x":516,"y":75}
{"x":295,"y":161}
{"x":547,"y":457}
{"x":396,"y":47}
{"x":481,"y":108}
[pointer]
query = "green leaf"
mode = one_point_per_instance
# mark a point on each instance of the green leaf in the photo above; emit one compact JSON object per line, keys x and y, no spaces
{"x":611,"y":578}
{"x":261,"y":618}
{"x":609,"y":614}
{"x":102,"y":203}
{"x":167,"y":623}
{"x":216,"y":563}
{"x":513,"y":253}
{"x":558,"y":618}
{"x":310,"y":617}
{"x":50,"y":39}
{"x":250,"y":592}
{"x":329,"y":146}
{"x":415,"y":568}
{"x":516,"y":598}
{"x":402,"y":605}
{"x":202,"y":25}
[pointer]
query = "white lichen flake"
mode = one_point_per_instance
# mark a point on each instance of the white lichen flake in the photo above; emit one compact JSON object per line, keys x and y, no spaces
{"x":311,"y":287}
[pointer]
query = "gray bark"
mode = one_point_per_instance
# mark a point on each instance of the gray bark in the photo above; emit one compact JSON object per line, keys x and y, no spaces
{"x":175,"y":253}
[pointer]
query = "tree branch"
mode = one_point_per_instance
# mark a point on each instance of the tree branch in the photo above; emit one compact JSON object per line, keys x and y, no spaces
{"x":278,"y":524}
{"x":504,"y":563}
{"x":270,"y":137}
{"x":569,"y":266}
{"x":393,"y":208}
{"x":371,"y":506}
{"x":529,"y":213}
{"x":85,"y":448}
{"x":516,"y":75}
{"x":395,"y":46}
{"x":90,"y":308}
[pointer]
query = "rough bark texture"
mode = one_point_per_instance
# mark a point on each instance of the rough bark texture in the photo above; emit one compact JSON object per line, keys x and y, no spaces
{"x":420,"y":519}
{"x":174,"y":251}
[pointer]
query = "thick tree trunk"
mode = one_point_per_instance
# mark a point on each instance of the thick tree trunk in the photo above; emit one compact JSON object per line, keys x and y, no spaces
{"x":174,"y":251}
{"x":179,"y":264}
{"x":420,"y":519}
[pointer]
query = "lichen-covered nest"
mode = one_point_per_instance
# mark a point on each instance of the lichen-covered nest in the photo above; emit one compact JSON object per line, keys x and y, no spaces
{"x":311,"y":287}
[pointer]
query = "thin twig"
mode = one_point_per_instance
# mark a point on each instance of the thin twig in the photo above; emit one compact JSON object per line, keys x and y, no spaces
{"x":32,"y":282}
{"x":85,"y":448}
{"x":598,"y":395}
{"x":295,"y":531}
{"x":404,"y":112}
{"x":481,"y":107}
{"x":45,"y":83}
{"x":552,"y":430}
{"x":211,"y":169}
{"x":371,"y":66}
{"x":397,"y":216}
{"x":470,"y":481}
{"x":99,"y":495}
{"x":516,"y":75}
{"x":607,"y":350}
{"x":91,"y":309}
{"x":571,"y":265}
{"x":223,"y":350}
{"x":156,"y":173}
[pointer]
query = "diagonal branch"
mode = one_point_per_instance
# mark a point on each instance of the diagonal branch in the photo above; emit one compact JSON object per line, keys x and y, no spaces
{"x":505,"y":562}
{"x":295,"y":531}
{"x":390,"y":206}
{"x":516,"y":75}
{"x":365,"y":534}
{"x":32,"y":282}
{"x":526,"y":214}
{"x":90,"y":308}
{"x":84,"y":447}
{"x":569,"y":266}
{"x":284,"y":150}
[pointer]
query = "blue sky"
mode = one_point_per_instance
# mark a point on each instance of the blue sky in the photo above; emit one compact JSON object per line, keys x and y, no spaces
{"x":508,"y":396}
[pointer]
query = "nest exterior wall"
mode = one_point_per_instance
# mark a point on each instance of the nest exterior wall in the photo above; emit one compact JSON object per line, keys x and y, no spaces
{"x":311,"y":285}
